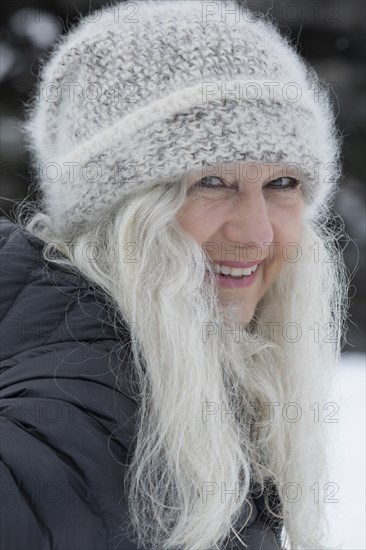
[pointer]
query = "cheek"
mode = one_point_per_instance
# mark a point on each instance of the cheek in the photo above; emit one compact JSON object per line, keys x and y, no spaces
{"x":199,"y":220}
{"x":287,"y":223}
{"x":287,"y":229}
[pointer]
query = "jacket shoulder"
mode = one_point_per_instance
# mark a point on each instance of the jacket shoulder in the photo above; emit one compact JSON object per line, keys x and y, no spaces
{"x":66,"y":429}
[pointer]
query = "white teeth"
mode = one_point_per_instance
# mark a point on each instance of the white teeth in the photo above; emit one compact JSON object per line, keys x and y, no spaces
{"x":233,"y":271}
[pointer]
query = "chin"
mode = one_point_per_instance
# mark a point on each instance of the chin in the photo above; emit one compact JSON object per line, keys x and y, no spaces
{"x":236,"y":311}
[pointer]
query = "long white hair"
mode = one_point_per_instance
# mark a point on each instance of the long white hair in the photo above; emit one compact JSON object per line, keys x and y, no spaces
{"x":222,"y":407}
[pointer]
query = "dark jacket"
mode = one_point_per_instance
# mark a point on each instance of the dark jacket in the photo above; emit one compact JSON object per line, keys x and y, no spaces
{"x":66,"y":428}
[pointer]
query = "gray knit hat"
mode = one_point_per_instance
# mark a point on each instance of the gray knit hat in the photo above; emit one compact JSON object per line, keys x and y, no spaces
{"x":139,"y":93}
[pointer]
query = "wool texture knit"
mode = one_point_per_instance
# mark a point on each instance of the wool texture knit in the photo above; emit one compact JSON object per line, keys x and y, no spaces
{"x":139,"y":93}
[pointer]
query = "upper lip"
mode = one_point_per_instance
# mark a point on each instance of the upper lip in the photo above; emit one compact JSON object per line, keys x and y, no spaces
{"x":242,"y":265}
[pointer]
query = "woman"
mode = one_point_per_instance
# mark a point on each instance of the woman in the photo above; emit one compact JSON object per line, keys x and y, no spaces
{"x":172,"y":142}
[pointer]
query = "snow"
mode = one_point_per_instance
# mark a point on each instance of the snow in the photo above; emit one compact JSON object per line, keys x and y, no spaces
{"x":348,"y":515}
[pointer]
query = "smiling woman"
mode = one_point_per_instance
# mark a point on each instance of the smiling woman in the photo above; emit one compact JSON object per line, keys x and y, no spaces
{"x":244,"y":216}
{"x":185,"y":283}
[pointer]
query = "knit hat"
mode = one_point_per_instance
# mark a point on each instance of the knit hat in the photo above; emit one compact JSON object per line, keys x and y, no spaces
{"x":139,"y":93}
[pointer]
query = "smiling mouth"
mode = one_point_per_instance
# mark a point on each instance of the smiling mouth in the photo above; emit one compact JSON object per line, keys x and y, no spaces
{"x":234,"y":272}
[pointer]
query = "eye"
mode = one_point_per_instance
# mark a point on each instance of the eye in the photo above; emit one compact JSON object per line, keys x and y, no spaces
{"x":289,"y":183}
{"x":279,"y":184}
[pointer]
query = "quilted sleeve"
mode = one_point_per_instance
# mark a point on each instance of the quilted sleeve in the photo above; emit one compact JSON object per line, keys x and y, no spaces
{"x":62,"y":454}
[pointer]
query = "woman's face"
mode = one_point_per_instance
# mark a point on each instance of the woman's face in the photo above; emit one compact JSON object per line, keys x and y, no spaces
{"x":245,"y":212}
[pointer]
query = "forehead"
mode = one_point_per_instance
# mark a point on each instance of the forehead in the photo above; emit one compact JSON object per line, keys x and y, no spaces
{"x":240,"y":170}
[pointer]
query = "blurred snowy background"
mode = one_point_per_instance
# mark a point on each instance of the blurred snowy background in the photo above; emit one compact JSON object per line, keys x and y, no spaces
{"x":348,"y":515}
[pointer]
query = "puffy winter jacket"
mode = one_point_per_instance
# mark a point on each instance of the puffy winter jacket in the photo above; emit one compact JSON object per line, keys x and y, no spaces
{"x":66,"y":429}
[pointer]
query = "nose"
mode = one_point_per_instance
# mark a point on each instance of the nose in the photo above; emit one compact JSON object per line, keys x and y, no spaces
{"x":248,"y":224}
